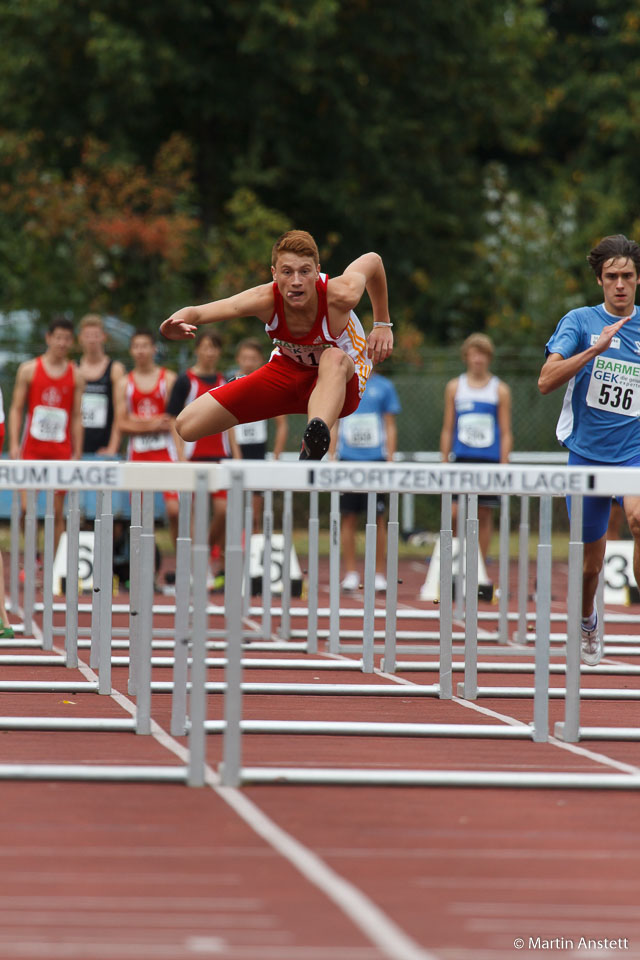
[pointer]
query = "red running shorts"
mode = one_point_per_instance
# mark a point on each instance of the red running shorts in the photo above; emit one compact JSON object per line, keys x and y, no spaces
{"x":281,"y":386}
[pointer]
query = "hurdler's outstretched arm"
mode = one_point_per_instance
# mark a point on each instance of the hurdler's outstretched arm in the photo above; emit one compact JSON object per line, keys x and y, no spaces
{"x":256,"y":302}
{"x":345,"y":292}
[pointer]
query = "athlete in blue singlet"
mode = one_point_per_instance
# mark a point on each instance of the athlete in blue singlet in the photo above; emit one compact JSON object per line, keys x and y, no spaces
{"x":476,"y":425}
{"x":371,"y":433}
{"x":595,"y":351}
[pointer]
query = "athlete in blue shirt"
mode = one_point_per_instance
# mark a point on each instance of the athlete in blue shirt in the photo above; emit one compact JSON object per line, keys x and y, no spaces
{"x":595,"y":351}
{"x":368,"y":434}
{"x":476,"y":425}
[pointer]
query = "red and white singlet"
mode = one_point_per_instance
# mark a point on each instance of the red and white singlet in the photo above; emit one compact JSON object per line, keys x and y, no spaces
{"x":216,"y":446}
{"x":307,"y":349}
{"x":149,"y":446}
{"x":47,"y":429}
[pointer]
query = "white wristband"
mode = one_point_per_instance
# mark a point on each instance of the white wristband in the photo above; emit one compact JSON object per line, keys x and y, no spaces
{"x":377,"y":323}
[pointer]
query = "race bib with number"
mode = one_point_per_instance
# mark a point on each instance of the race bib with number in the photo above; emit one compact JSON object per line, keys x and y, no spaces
{"x":148,"y":442}
{"x":255,"y":432}
{"x":615,"y":386}
{"x":307,"y":353}
{"x":476,"y":429}
{"x":95,"y":410}
{"x":362,"y":430}
{"x":49,"y":424}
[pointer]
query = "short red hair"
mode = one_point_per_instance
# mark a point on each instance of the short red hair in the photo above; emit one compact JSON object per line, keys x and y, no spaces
{"x":296,"y":241}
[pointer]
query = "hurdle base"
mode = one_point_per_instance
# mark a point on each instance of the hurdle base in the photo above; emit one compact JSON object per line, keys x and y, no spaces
{"x":486,"y":592}
{"x":559,"y":733}
{"x":633,"y":594}
{"x":256,"y":587}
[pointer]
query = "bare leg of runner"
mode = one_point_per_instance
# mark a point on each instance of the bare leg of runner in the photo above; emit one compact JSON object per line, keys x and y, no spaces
{"x":632,"y":510}
{"x":327,"y":398}
{"x":593,"y":559}
{"x":202,"y":418}
{"x":326,"y":401}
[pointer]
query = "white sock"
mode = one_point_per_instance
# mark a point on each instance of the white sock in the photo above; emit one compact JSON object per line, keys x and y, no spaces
{"x":589,"y":622}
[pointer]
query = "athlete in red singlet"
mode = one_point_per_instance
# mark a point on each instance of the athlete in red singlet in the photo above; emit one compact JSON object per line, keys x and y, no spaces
{"x":50,"y":388}
{"x":199,"y":379}
{"x":141,"y":413}
{"x":321,"y":359}
{"x":47,"y":429}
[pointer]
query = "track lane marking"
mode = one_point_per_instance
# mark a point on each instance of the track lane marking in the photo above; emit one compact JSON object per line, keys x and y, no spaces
{"x":392,"y":942}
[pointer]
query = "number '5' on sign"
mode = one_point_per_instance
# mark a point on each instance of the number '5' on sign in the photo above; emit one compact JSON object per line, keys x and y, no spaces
{"x":85,"y":562}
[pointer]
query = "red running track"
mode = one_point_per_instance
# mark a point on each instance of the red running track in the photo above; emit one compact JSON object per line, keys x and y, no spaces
{"x":126,"y":871}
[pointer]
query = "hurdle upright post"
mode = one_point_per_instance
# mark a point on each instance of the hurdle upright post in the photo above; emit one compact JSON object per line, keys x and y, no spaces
{"x":94,"y":654}
{"x":14,"y":560}
{"x":523,"y":570}
{"x":369,"y":612}
{"x":446,"y":597}
{"x":232,"y":744}
{"x":503,"y":570}
{"x":135,"y":532}
{"x":543,"y":625}
{"x":393,"y":541}
{"x":247,"y":590}
{"x":181,"y":620}
{"x":47,"y":573}
{"x":471,"y":601}
{"x":72,"y":586}
{"x":145,"y":625}
{"x":334,"y":573}
{"x":570,"y":729}
{"x":312,"y":581}
{"x":287,"y":538}
{"x":233,"y":596}
{"x":600,"y":604}
{"x":30,"y":534}
{"x":267,"y":526}
{"x":461,"y":526}
{"x":106,"y":592}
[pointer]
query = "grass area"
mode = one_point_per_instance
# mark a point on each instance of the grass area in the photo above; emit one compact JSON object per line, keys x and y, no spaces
{"x":406,"y":550}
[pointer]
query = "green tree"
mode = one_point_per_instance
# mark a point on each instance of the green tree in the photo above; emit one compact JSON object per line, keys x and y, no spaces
{"x":367,"y":122}
{"x":111,"y":236}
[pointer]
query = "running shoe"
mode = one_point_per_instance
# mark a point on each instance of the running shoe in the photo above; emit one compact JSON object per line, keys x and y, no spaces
{"x":218,"y":582}
{"x":380,"y":582}
{"x":7,"y":633}
{"x":351,"y":581}
{"x":592,"y":647}
{"x":315,"y":440}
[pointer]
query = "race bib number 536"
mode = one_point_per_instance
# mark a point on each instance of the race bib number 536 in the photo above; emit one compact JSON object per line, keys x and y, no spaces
{"x":615,"y":386}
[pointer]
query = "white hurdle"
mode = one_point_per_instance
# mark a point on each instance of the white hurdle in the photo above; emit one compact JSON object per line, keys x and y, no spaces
{"x":191,"y":637}
{"x":524,"y":482}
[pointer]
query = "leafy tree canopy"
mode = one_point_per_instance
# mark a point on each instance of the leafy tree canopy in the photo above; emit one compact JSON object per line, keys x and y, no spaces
{"x":149,"y":153}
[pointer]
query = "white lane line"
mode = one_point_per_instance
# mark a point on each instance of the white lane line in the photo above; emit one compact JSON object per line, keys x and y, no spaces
{"x":380,"y":929}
